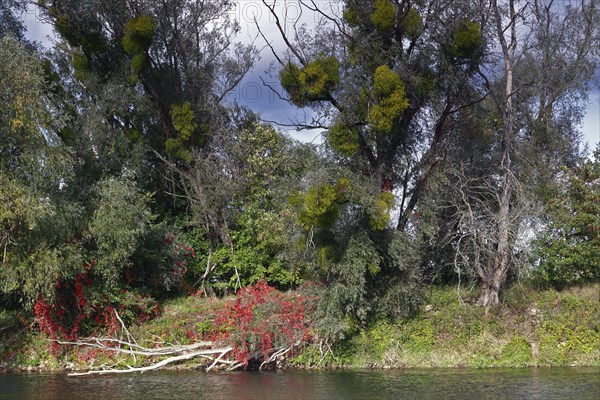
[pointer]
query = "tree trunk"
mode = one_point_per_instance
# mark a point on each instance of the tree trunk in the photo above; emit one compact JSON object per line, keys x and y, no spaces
{"x":501,"y":261}
{"x":489,"y":294}
{"x":433,"y":157}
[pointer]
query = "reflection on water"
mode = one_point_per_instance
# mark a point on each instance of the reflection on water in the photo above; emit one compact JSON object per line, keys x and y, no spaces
{"x":534,"y":383}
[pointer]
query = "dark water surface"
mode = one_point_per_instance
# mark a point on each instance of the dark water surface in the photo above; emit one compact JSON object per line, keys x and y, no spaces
{"x":531,"y":383}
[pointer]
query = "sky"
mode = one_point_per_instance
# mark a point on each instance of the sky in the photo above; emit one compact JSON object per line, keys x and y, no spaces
{"x":253,"y":93}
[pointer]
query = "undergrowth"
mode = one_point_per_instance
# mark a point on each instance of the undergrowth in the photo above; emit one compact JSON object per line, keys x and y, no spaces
{"x":528,"y":328}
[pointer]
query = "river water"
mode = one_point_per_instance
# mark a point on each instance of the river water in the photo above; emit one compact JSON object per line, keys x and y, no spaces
{"x":530,"y":383}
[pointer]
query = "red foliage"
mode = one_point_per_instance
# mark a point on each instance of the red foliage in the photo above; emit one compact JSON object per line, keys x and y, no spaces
{"x":387,"y":186}
{"x":183,"y":253}
{"x":63,"y":318}
{"x":261,"y":319}
{"x":72,"y":311}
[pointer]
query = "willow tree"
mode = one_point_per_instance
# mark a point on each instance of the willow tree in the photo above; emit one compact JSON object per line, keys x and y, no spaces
{"x":36,"y":218}
{"x":507,"y":155}
{"x":388,"y":86}
{"x":155,"y":77}
{"x":401,"y":82}
{"x":180,"y":55}
{"x":386,"y":81}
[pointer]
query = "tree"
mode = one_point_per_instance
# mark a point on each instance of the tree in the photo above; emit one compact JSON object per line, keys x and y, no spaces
{"x":569,"y":248}
{"x":488,"y":168}
{"x":10,"y":24}
{"x":179,"y":54}
{"x":404,"y":73}
{"x":238,"y":200}
{"x":393,"y":67}
{"x":388,"y":89}
{"x":542,"y":23}
{"x":33,"y":167}
{"x":153,"y":79}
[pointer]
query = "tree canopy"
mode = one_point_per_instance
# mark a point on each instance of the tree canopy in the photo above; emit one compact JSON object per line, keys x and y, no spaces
{"x":451,"y":151}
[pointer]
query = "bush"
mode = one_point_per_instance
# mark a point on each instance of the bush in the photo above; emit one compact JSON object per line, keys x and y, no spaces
{"x":570,"y":248}
{"x":81,"y":308}
{"x":261,"y":319}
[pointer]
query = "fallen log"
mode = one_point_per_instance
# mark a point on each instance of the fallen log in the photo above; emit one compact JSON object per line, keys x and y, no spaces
{"x":142,"y":351}
{"x":182,"y":357}
{"x":131,"y":347}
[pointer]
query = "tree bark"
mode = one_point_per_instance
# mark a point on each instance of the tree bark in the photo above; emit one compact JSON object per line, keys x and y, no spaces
{"x":490,"y":288}
{"x":434,"y":156}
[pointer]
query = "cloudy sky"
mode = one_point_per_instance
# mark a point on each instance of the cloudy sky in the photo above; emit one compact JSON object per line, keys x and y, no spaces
{"x":252,"y":92}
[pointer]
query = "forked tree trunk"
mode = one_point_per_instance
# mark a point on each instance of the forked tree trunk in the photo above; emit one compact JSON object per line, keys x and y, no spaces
{"x":490,"y":287}
{"x":488,"y":294}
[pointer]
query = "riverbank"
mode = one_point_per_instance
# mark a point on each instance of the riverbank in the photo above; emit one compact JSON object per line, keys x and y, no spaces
{"x":529,"y":328}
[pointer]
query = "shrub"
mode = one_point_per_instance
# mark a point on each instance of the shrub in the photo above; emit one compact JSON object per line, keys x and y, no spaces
{"x":81,"y":308}
{"x":261,"y":319}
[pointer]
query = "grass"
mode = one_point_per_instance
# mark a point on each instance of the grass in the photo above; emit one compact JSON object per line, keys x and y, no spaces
{"x":529,"y":328}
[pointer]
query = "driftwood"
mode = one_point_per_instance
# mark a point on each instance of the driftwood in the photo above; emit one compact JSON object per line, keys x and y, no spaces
{"x":166,"y":361}
{"x":173,"y":353}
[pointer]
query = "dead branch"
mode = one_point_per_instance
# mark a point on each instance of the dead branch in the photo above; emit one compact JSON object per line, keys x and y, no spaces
{"x":277,"y":354}
{"x":173,"y":353}
{"x":99,"y":343}
{"x":170,"y":360}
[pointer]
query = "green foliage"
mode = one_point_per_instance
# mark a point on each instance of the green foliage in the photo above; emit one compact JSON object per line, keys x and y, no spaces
{"x":21,"y":94}
{"x":370,"y":275}
{"x":314,"y":82}
{"x":343,"y":139}
{"x":133,"y":134}
{"x":559,"y":344}
{"x":391,"y":100}
{"x":139,"y":33}
{"x":14,"y":206}
{"x":418,"y":336}
{"x":321,"y":208}
{"x":177,"y":149}
{"x":351,"y":16}
{"x":426,"y":83}
{"x":137,"y":39}
{"x":184,"y":120}
{"x":35,"y":219}
{"x":570,"y":248}
{"x":139,"y":62}
{"x":11,"y":20}
{"x":259,"y":219}
{"x":384,"y":15}
{"x":320,"y":205}
{"x":379,"y":214}
{"x":121,"y":220}
{"x":516,"y":353}
{"x":81,"y":65}
{"x":258,"y":238}
{"x":264,"y":160}
{"x":570,"y":329}
{"x":412,"y":24}
{"x":343,"y":303}
{"x":86,"y":36}
{"x":453,"y":333}
{"x":467,"y":39}
{"x":373,"y":341}
{"x":63,"y":25}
